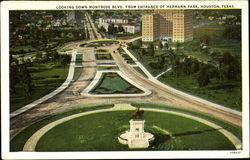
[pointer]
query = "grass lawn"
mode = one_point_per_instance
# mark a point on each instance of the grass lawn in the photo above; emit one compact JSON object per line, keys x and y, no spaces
{"x":18,"y":141}
{"x":79,"y":59}
{"x":217,"y":42}
{"x":99,"y":43}
{"x":127,"y":58}
{"x":103,"y":56}
{"x":237,"y":131}
{"x":124,"y":37}
{"x":227,"y":93}
{"x":78,"y":70}
{"x":45,"y":79}
{"x":146,"y":60}
{"x":26,"y":48}
{"x":138,"y":69}
{"x":100,"y":134}
{"x":106,"y":41}
{"x":111,"y":83}
{"x":77,"y":73}
{"x":107,"y":67}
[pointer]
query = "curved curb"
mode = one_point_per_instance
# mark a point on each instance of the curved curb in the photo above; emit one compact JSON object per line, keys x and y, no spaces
{"x":236,"y":142}
{"x":86,"y":91}
{"x":53,"y":93}
{"x":31,"y":143}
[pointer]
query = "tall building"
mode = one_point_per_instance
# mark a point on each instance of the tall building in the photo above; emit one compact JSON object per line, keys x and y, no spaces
{"x":150,"y":27}
{"x":175,"y":25}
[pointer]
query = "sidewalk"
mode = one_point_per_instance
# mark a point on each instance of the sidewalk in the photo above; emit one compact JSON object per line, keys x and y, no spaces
{"x":138,"y":63}
{"x":55,"y":92}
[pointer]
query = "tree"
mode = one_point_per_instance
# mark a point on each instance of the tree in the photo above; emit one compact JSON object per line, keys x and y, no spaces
{"x":166,"y":45}
{"x":195,"y":66}
{"x":13,"y":78}
{"x":121,"y":29}
{"x":178,"y":45}
{"x":102,"y":29}
{"x":115,"y":29}
{"x":143,"y":52}
{"x":25,"y":79}
{"x":205,"y":39}
{"x":203,"y":77}
{"x":150,"y":45}
{"x":138,"y":43}
{"x":151,"y":51}
{"x":160,"y":46}
{"x":227,"y":58}
{"x":65,"y":59}
{"x":111,"y":29}
{"x":11,"y":59}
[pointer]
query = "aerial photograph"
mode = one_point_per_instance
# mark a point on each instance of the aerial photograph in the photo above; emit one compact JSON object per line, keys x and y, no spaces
{"x":125,"y":80}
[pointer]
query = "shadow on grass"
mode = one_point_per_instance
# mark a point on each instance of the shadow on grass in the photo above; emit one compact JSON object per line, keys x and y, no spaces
{"x":222,"y":87}
{"x":159,"y":139}
{"x":194,"y":132}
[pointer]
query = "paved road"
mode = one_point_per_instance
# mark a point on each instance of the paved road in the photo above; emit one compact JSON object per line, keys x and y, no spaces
{"x":70,"y":98}
{"x":52,"y":94}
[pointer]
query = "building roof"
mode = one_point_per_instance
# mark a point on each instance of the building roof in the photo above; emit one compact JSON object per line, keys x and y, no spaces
{"x":114,"y":17}
{"x":126,"y":24}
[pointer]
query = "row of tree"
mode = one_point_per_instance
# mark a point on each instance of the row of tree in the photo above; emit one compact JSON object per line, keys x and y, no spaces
{"x":20,"y":73}
{"x":224,"y":66}
{"x":112,"y":29}
{"x":46,"y":39}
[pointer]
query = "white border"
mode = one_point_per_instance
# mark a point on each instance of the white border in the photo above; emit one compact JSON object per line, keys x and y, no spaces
{"x":51,"y":5}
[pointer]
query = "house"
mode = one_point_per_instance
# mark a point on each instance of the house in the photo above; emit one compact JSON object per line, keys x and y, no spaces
{"x":132,"y":27}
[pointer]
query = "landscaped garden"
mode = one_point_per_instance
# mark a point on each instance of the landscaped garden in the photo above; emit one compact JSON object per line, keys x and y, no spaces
{"x":103,"y":54}
{"x":78,"y":70}
{"x":81,"y":134}
{"x":107,"y":67}
{"x":79,"y":59}
{"x":100,"y":134}
{"x":99,"y":43}
{"x":106,"y":56}
{"x":112,"y":83}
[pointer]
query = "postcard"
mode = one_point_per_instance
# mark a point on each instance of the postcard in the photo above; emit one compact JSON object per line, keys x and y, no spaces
{"x":124,"y":79}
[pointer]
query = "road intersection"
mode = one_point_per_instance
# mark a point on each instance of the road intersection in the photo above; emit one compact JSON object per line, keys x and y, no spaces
{"x":70,"y":97}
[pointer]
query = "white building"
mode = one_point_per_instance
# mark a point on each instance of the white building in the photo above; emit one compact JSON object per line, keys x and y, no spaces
{"x":103,"y":21}
{"x":128,"y":27}
{"x":132,"y":27}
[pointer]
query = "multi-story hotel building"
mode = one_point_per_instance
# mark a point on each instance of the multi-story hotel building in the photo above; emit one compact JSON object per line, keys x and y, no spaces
{"x":176,"y":25}
{"x":150,"y":27}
